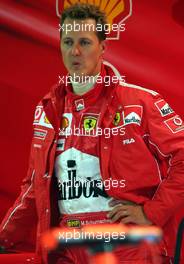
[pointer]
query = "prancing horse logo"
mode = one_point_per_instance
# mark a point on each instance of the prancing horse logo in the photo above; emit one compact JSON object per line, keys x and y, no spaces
{"x":90,"y":123}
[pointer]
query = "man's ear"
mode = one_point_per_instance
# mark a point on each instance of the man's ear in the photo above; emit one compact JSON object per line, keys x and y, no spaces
{"x":103,"y":45}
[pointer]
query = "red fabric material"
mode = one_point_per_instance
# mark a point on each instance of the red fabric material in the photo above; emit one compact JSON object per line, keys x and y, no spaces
{"x":82,"y":219}
{"x":19,"y":258}
{"x":160,"y":210}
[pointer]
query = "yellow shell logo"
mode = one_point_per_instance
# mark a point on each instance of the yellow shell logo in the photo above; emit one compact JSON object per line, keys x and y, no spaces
{"x":117,"y":11}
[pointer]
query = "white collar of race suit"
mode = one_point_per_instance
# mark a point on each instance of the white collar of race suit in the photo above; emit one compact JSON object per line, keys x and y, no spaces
{"x":81,"y":88}
{"x":116,"y":72}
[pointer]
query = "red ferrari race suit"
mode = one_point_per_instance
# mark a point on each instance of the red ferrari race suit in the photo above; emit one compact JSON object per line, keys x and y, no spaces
{"x":149,"y":135}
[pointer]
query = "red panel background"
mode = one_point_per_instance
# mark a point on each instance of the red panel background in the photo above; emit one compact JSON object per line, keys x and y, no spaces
{"x":149,"y":53}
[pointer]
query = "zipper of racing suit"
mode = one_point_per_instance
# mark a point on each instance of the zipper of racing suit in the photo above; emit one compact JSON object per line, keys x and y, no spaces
{"x":104,"y":143}
{"x":52,"y":147}
{"x":105,"y":108}
{"x":53,"y":100}
{"x":51,"y":154}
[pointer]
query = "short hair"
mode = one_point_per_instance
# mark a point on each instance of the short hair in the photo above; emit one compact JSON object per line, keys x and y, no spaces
{"x":85,"y":11}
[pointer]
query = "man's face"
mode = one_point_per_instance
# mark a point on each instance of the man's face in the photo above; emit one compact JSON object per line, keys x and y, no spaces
{"x":81,"y":50}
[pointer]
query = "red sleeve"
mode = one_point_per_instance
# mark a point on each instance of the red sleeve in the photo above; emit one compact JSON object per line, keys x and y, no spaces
{"x":17,"y":224}
{"x":166,"y":139}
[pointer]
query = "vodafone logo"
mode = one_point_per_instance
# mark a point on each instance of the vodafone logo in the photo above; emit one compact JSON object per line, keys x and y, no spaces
{"x":40,"y":118}
{"x":38,"y":113}
{"x":178,"y":121}
{"x":175,"y":124}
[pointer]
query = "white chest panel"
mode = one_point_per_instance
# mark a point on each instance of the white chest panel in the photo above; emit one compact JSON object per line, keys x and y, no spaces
{"x":80,"y":185}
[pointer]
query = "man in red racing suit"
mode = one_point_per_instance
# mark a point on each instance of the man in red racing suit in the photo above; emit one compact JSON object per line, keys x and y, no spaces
{"x":142,"y":134}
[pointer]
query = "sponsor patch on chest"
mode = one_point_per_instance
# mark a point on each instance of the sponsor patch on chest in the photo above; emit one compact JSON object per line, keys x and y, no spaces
{"x":79,"y":104}
{"x":164,"y":108}
{"x":89,"y":121}
{"x":132,"y":114}
{"x":66,"y":124}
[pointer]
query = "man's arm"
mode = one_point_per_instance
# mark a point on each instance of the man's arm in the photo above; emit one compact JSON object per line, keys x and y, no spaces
{"x":166,"y":140}
{"x":16,"y":227}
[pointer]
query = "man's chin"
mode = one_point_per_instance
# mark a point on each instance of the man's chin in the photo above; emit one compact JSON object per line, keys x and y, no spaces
{"x":78,"y":74}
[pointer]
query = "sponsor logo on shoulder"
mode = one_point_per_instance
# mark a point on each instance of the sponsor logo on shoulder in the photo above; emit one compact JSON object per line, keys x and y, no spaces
{"x":175,"y":124}
{"x":164,"y":107}
{"x":38,"y":114}
{"x":40,"y":118}
{"x":132,"y":114}
{"x":39,"y":133}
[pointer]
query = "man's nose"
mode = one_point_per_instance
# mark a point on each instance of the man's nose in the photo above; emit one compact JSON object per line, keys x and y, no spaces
{"x":75,"y":50}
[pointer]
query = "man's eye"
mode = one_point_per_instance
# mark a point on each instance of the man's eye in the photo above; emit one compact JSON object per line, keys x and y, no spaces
{"x":85,"y":42}
{"x":68,"y":42}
